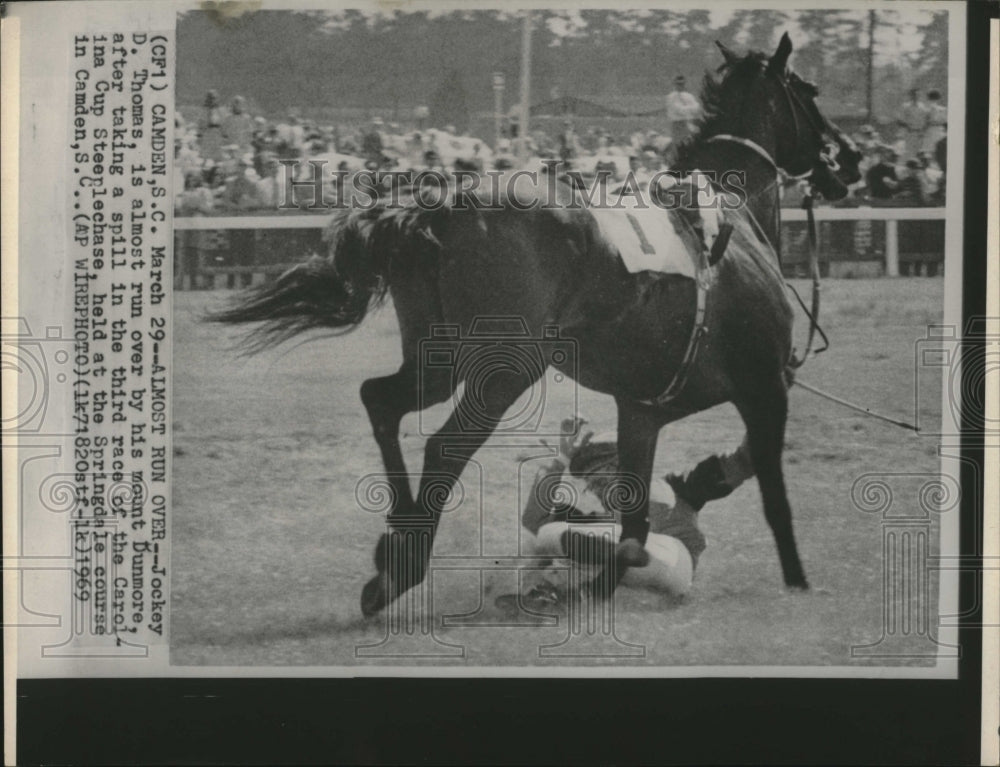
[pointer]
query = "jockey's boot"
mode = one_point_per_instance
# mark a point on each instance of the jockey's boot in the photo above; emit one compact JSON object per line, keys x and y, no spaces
{"x":705,"y":482}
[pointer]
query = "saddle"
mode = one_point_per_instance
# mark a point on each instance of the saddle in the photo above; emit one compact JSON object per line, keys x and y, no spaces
{"x":675,"y":228}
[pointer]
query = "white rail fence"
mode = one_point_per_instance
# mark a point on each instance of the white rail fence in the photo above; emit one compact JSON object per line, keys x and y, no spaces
{"x":891,"y":217}
{"x":258,"y":225}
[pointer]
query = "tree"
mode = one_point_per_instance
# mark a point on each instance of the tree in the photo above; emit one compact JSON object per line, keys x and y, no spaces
{"x":931,"y":60}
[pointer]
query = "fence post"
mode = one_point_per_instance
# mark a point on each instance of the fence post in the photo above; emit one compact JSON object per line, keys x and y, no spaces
{"x":891,"y":248}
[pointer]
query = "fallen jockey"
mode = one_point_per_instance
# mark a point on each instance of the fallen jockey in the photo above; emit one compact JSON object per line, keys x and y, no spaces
{"x":675,"y":541}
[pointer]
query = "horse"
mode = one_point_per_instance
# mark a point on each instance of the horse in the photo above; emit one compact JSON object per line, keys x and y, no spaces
{"x":550,"y":267}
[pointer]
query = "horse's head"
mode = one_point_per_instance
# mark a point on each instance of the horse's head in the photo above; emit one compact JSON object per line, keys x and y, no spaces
{"x":805,"y":142}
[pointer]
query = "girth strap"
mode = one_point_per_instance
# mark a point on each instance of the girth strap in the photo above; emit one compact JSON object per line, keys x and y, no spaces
{"x":703,"y":281}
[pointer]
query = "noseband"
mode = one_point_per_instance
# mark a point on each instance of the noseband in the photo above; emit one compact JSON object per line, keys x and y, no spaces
{"x":827,"y":155}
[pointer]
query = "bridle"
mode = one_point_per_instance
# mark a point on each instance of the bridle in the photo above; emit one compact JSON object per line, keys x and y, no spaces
{"x":828,"y":154}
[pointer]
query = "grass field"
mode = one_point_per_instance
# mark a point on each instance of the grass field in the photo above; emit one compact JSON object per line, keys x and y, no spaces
{"x":270,"y":548}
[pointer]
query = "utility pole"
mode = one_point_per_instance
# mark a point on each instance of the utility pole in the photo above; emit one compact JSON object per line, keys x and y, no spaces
{"x":522,"y":144}
{"x":499,"y":83}
{"x":871,"y":67}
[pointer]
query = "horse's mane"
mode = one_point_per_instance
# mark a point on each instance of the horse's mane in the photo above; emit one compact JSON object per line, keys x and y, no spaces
{"x":718,"y":105}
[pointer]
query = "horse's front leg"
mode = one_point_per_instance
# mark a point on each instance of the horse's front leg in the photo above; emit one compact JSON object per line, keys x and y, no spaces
{"x":638,"y":428}
{"x":765,"y":412}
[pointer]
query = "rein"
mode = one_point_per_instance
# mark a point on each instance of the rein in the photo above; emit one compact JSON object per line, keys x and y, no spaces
{"x":807,"y":204}
{"x":813,"y":314}
{"x":796,"y":362}
{"x":753,"y":146}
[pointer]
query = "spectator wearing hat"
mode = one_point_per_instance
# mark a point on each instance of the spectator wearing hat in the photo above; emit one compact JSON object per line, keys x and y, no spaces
{"x":195,"y":197}
{"x":932,"y":178}
{"x":937,"y":122}
{"x":262,"y":144}
{"x":238,"y":127}
{"x":569,"y":144}
{"x":912,"y":123}
{"x":605,"y":170}
{"x":371,"y":143}
{"x":882,"y":180}
{"x":912,"y":185}
{"x":289,"y":137}
{"x":683,"y":109}
{"x":210,"y":136}
{"x":241,"y":184}
{"x":240,"y":193}
{"x":229,"y":166}
{"x":268,"y":186}
{"x":868,"y":140}
{"x":638,"y":171}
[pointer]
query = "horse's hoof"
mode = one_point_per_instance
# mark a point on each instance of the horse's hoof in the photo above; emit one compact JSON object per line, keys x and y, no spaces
{"x":798,"y":586}
{"x":374,"y":596}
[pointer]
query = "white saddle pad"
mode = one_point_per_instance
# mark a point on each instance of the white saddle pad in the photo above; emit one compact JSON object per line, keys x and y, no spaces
{"x":645,"y":236}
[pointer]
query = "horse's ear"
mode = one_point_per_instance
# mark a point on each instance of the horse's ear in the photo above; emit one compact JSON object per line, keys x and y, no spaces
{"x":730,"y":57}
{"x":779,"y":61}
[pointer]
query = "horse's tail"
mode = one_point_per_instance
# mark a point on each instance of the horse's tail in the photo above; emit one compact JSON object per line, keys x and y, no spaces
{"x":335,"y":292}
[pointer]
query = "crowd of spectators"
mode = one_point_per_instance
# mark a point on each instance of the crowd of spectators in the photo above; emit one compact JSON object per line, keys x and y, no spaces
{"x":228,"y":159}
{"x":911,"y":169}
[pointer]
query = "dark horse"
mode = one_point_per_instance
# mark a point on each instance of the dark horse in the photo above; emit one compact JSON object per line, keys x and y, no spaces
{"x":551,"y":267}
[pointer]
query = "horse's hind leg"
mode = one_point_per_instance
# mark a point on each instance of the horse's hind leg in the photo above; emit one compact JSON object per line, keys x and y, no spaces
{"x":765,"y":411}
{"x":403,"y":554}
{"x":387,"y":400}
